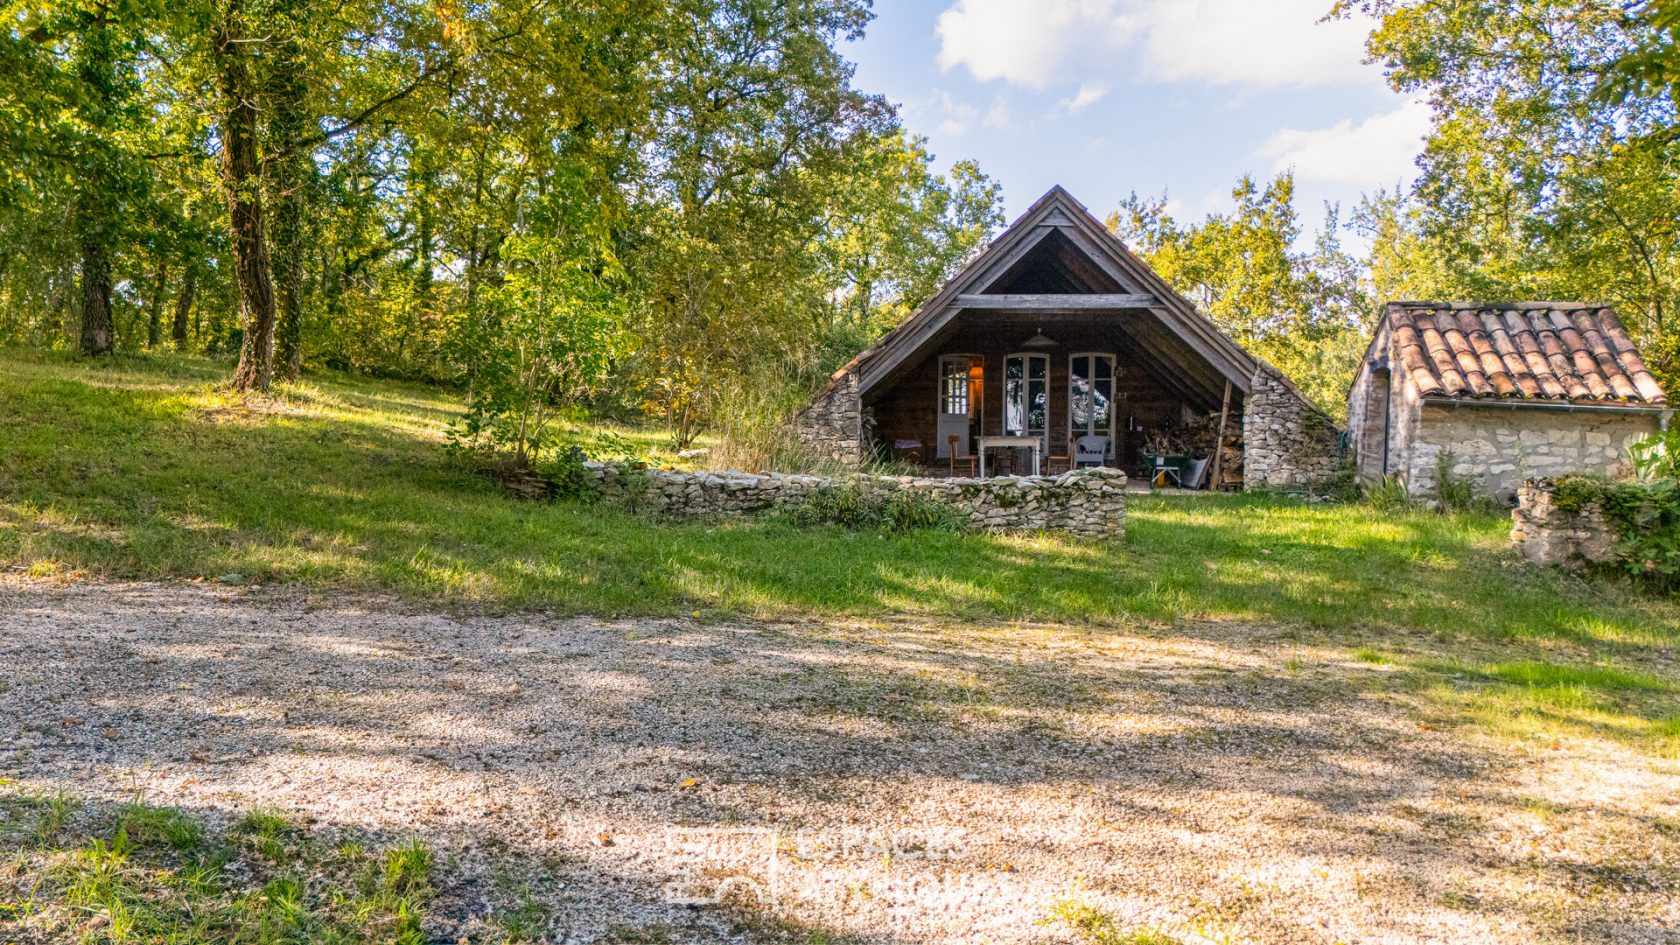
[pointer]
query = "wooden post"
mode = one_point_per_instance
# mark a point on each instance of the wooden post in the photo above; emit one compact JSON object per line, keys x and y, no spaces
{"x":1219,"y":441}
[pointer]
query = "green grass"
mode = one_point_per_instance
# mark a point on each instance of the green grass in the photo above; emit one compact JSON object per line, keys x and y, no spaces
{"x":149,"y":468}
{"x":143,"y":874}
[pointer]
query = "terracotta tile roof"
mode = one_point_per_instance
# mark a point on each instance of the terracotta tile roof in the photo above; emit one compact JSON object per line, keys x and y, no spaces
{"x":1544,"y":351}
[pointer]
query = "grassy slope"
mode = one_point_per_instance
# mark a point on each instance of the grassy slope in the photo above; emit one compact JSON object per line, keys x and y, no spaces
{"x":148,"y":468}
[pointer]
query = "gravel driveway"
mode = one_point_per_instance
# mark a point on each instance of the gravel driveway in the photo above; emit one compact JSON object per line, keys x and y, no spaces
{"x":892,"y":782}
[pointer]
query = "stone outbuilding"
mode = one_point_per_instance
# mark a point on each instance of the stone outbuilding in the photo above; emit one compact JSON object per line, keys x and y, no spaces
{"x":1058,"y":342}
{"x":1499,"y":393}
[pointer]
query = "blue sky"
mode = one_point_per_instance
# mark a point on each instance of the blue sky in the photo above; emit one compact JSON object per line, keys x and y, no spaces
{"x":1179,"y":96}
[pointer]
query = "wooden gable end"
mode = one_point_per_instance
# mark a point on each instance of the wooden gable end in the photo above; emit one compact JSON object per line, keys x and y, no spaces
{"x":1056,"y":259}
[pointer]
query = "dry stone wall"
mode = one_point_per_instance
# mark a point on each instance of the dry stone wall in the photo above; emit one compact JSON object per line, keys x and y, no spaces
{"x":1287,"y":442}
{"x":1569,"y":538}
{"x":1089,"y":503}
{"x":831,"y":425}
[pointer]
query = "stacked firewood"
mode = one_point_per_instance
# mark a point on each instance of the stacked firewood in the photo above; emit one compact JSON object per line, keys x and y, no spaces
{"x":1199,"y":435}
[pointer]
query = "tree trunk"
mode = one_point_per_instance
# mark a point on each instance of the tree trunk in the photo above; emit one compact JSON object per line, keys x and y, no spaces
{"x":242,"y":176}
{"x":94,"y":213}
{"x":154,"y":307}
{"x":183,"y":307}
{"x":290,"y":178}
{"x":98,"y":331}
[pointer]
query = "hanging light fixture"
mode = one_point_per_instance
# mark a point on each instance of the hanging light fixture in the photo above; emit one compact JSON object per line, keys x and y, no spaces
{"x":1039,"y":340}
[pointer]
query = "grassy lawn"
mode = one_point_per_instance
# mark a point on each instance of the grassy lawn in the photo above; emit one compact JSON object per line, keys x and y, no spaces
{"x":147,"y":468}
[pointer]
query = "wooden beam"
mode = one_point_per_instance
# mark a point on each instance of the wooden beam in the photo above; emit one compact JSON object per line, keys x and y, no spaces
{"x":1134,"y":354}
{"x":1053,"y":303}
{"x":1219,"y":440}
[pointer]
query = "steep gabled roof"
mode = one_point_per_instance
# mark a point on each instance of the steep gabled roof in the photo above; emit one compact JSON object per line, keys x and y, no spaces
{"x":1055,"y":213}
{"x":1544,"y":352}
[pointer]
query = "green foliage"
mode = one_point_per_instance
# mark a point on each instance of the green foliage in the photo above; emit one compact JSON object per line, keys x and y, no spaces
{"x":1455,"y":493}
{"x":156,"y":875}
{"x":557,"y":325}
{"x":1645,"y":515}
{"x":854,"y":506}
{"x":1306,"y":313}
{"x":121,"y":470}
{"x":1388,"y":494}
{"x":1657,"y":456}
{"x":543,"y":204}
{"x":1550,"y":169}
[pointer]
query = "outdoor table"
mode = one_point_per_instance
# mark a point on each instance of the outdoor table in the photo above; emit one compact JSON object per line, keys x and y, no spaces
{"x":1034,"y":443}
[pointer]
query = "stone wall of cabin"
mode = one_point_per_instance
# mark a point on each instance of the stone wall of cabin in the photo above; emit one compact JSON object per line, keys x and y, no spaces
{"x":1088,"y":503}
{"x":1498,"y":447}
{"x":831,"y":425}
{"x":1287,"y":442}
{"x":1545,"y":534}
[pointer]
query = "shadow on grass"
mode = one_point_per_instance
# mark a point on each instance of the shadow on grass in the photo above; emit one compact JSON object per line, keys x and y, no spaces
{"x":134,"y":483}
{"x":548,"y":734}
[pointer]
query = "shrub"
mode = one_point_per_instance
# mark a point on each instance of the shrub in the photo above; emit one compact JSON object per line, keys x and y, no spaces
{"x":1645,"y":516}
{"x":854,"y":507}
{"x":1657,"y":456}
{"x":1454,"y":493}
{"x":1387,"y":494}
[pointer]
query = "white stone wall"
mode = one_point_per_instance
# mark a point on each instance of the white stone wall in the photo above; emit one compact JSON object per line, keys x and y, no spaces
{"x":1287,"y":442}
{"x":1499,"y":447}
{"x":1089,"y":503}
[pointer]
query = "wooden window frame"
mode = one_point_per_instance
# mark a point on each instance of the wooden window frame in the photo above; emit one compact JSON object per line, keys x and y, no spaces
{"x":1113,"y":385}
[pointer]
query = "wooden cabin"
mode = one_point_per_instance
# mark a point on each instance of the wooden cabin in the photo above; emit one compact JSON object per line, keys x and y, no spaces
{"x":1058,"y":336}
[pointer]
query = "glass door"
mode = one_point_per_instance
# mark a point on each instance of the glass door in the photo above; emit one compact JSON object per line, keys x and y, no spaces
{"x":1091,"y":407}
{"x":1091,"y":395}
{"x":959,"y":403}
{"x":1026,"y":395}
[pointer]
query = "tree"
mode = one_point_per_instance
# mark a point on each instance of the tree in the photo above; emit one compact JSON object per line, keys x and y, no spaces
{"x":895,"y":230}
{"x":1550,"y":169}
{"x":1305,"y":312}
{"x":755,"y":115}
{"x":290,"y":181}
{"x":242,"y":179}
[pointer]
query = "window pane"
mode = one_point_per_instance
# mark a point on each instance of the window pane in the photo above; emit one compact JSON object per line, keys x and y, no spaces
{"x":1102,"y":408}
{"x":1079,"y":397}
{"x":1014,"y":397}
{"x":954,"y":387}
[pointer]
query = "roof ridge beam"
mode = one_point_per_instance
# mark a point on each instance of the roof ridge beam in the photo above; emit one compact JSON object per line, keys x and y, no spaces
{"x":1051,"y":301}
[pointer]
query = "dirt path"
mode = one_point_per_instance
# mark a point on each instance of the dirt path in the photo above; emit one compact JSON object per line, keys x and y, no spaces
{"x":890,"y":782}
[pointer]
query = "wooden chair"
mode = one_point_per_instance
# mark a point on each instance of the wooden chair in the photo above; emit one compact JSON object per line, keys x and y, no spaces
{"x":1055,"y":464}
{"x":951,"y":441}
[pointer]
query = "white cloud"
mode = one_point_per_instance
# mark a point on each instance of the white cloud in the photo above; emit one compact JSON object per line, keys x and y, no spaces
{"x":1378,"y":151}
{"x":1058,"y":42}
{"x":999,"y":116}
{"x":954,"y":118}
{"x":1026,"y":43}
{"x":1089,"y":94}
